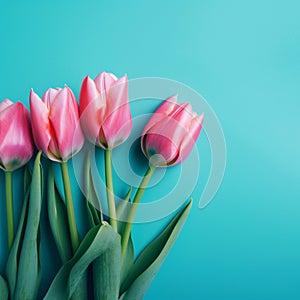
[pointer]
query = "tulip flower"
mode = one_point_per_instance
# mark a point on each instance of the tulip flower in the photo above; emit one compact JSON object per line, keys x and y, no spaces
{"x":167,"y":140}
{"x":106,"y":120}
{"x":104,"y":110}
{"x":55,"y":123}
{"x":56,"y":131}
{"x":16,"y":145}
{"x":171,"y":133}
{"x":16,"y":149}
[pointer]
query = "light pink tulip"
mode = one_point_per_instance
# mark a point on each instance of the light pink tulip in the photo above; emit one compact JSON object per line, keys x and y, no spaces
{"x":104,"y":110}
{"x":16,"y":145}
{"x":55,"y":123}
{"x":171,"y":133}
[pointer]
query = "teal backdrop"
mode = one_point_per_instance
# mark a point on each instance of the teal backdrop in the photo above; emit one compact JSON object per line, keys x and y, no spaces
{"x":243,"y":58}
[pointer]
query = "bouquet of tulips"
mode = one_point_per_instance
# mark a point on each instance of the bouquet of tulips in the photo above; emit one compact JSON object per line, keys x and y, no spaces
{"x":102,"y":264}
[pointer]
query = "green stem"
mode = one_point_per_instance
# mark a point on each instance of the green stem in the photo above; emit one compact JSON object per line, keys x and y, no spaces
{"x":110,"y":191}
{"x":70,"y":206}
{"x":136,"y":201}
{"x":9,"y":208}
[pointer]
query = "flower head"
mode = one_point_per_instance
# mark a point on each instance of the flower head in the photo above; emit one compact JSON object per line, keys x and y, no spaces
{"x":171,"y":133}
{"x":16,"y":145}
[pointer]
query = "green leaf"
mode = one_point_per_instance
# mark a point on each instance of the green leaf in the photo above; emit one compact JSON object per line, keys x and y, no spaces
{"x":106,"y":274}
{"x":58,"y":218}
{"x":92,"y":200}
{"x":97,"y":241}
{"x":152,"y":257}
{"x":27,"y":178}
{"x":123,"y":210}
{"x":128,"y":261}
{"x":3,"y":288}
{"x":14,"y":255}
{"x":29,"y":266}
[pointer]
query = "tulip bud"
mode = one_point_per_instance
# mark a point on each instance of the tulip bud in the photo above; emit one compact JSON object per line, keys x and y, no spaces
{"x":104,"y":110}
{"x":171,"y":133}
{"x":16,"y":145}
{"x":55,"y":123}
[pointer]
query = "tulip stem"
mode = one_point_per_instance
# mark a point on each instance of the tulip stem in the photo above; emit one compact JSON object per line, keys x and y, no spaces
{"x":110,"y":191}
{"x":9,"y":208}
{"x":135,"y":202}
{"x":70,"y":206}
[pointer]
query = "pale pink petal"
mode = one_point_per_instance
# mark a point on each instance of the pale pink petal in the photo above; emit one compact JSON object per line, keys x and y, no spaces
{"x":41,"y":127}
{"x":104,"y":81}
{"x":161,"y":112}
{"x":4,"y":104}
{"x":189,"y":141}
{"x":64,"y":118}
{"x":116,"y":96}
{"x":49,"y":96}
{"x":116,"y":127}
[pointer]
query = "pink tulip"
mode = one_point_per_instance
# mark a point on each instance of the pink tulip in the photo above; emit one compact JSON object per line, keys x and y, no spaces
{"x":16,"y":145}
{"x":104,"y":110}
{"x":171,"y":133}
{"x":55,"y":123}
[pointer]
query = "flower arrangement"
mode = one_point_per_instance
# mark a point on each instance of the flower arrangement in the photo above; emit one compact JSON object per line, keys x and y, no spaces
{"x":57,"y":127}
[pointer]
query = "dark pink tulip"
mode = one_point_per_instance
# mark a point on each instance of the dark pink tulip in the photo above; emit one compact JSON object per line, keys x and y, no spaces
{"x":16,"y":145}
{"x":171,"y":133}
{"x":55,"y":123}
{"x":104,"y":110}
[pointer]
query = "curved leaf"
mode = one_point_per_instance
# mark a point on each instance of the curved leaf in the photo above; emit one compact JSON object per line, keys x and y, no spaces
{"x":123,"y":211}
{"x":152,"y":257}
{"x":99,"y":239}
{"x":29,"y":267}
{"x":58,"y":218}
{"x":3,"y":288}
{"x":106,"y":274}
{"x":91,"y":196}
{"x":14,"y":255}
{"x":27,"y":179}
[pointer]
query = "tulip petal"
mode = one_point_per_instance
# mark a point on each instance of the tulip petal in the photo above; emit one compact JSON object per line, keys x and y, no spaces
{"x":89,"y":93}
{"x":41,"y":127}
{"x":64,"y":119}
{"x":49,"y":96}
{"x":104,"y":81}
{"x":4,"y":104}
{"x":161,"y":112}
{"x":117,"y":126}
{"x":190,"y":140}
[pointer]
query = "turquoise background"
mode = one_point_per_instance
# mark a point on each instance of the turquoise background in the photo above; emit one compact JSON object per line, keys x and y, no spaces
{"x":243,"y":57}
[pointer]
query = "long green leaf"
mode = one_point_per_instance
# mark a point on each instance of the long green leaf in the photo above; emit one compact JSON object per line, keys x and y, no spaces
{"x":123,"y":210}
{"x":13,"y":258}
{"x":152,"y":257}
{"x":3,"y":288}
{"x":99,"y":239}
{"x":27,"y":179}
{"x":58,"y":218}
{"x":95,"y":216}
{"x":12,"y":262}
{"x":106,"y":274}
{"x":29,"y":268}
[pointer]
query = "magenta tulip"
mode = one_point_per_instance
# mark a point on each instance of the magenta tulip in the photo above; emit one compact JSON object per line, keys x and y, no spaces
{"x":55,"y":123}
{"x":104,"y":110}
{"x":16,"y":145}
{"x":171,"y":133}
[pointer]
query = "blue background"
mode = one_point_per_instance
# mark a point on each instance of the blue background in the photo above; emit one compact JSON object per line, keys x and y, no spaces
{"x":243,"y":57}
